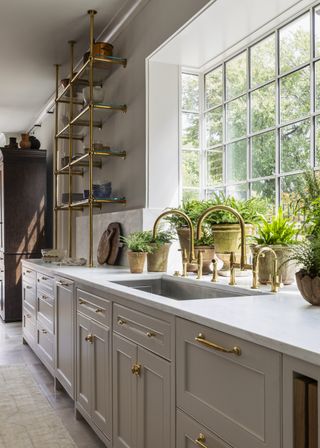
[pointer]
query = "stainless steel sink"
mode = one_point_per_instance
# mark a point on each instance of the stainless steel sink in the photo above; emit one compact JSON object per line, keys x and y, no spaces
{"x":186,"y":289}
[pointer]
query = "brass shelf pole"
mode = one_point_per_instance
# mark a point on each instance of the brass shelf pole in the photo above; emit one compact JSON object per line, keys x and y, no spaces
{"x":91,"y":13}
{"x":55,"y":164}
{"x":70,"y":214}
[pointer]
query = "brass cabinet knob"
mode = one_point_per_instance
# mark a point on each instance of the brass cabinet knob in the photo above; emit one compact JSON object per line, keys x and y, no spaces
{"x":121,"y":322}
{"x":89,"y":338}
{"x":150,"y":334}
{"x":200,"y":440}
{"x":136,"y":369}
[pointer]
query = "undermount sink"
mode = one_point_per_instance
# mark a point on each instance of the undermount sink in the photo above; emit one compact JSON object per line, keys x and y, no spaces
{"x":186,"y":289}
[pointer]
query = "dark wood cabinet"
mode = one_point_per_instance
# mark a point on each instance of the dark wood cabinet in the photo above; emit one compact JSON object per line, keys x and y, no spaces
{"x":23,"y":210}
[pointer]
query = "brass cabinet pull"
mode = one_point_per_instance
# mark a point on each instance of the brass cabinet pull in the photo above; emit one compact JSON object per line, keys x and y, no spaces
{"x":150,"y":334}
{"x":28,"y":287}
{"x":99,"y":310}
{"x":200,"y":441}
{"x":28,"y":316}
{"x":136,"y":369}
{"x":82,"y":302}
{"x":27,"y":271}
{"x":44,"y":297}
{"x":201,"y":338}
{"x":89,"y":338}
{"x":44,"y":278}
{"x":121,"y":322}
{"x":61,"y":283}
{"x":44,"y":331}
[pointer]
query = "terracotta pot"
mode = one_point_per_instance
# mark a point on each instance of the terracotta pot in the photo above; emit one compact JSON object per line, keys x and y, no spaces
{"x":208,"y":255}
{"x":227,"y":238}
{"x":25,"y":142}
{"x":309,"y":287}
{"x":286,"y":271}
{"x":136,"y":261}
{"x":158,"y":260}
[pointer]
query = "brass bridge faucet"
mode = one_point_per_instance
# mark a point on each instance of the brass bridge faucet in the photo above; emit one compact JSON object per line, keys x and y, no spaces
{"x":275,"y":283}
{"x":191,"y":241}
{"x":233,"y":265}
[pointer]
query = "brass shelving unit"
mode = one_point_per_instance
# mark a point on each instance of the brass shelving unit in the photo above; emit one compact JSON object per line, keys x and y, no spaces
{"x":93,"y":72}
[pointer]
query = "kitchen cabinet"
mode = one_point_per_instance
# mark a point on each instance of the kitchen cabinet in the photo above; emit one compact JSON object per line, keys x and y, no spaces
{"x":142,"y":390}
{"x":300,"y":423}
{"x":64,"y":334}
{"x":93,"y":363}
{"x":229,"y":385}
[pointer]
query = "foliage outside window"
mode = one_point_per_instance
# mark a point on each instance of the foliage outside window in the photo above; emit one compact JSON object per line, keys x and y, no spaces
{"x":251,"y":125}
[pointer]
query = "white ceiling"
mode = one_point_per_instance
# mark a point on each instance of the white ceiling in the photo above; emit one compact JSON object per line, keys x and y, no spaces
{"x":34,"y":36}
{"x":221,"y":26}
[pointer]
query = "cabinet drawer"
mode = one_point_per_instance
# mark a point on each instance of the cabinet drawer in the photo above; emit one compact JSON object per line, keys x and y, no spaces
{"x":190,"y":434}
{"x":93,"y":306}
{"x":235,"y":394}
{"x":45,"y":309}
{"x":45,"y":344}
{"x":29,"y":327}
{"x":45,"y":283}
{"x":29,"y":295}
{"x":150,"y":332}
{"x":29,"y":275}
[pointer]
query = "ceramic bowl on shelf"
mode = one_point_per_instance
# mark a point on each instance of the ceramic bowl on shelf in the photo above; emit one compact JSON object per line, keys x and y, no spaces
{"x":98,"y":94}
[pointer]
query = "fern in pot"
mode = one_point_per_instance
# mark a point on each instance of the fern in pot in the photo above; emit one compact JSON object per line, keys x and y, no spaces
{"x":157,"y":258}
{"x":138,"y":244}
{"x":307,"y":256}
{"x":281,"y":234}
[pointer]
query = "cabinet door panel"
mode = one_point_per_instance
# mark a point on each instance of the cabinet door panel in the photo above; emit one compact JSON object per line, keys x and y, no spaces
{"x":101,"y":378}
{"x":83,"y":364}
{"x":64,"y":335}
{"x":236,"y":397}
{"x":125,"y":355}
{"x":154,"y":410}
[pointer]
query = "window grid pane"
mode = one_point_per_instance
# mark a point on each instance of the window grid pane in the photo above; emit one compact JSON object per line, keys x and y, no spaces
{"x":277,"y":149}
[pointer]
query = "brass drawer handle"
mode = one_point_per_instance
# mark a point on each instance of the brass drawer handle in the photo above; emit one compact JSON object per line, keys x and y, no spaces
{"x":82,"y":302}
{"x":29,"y":316}
{"x":201,"y":338}
{"x":28,"y":287}
{"x":28,"y":271}
{"x":44,"y":278}
{"x":99,"y":310}
{"x":136,"y":369}
{"x":200,"y":441}
{"x":61,"y":283}
{"x":150,"y":334}
{"x":89,"y":338}
{"x":44,"y":297}
{"x":44,"y":331}
{"x":121,"y":322}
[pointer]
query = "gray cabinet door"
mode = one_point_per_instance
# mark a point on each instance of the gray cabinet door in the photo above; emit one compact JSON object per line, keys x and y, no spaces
{"x":154,"y":405}
{"x":84,"y":369}
{"x":101,"y":406}
{"x":125,"y":356}
{"x":236,"y":397}
{"x":64,"y":331}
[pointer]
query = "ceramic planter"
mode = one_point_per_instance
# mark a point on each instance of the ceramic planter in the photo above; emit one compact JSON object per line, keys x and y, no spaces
{"x":136,"y":261}
{"x":158,"y":260}
{"x":309,"y":287}
{"x":286,"y":270}
{"x":227,"y":238}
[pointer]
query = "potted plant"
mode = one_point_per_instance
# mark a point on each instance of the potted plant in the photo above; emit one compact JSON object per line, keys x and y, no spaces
{"x":281,"y":234}
{"x":194,"y":208}
{"x":307,"y":255}
{"x":157,"y":258}
{"x":138,"y":244}
{"x":225,"y":227}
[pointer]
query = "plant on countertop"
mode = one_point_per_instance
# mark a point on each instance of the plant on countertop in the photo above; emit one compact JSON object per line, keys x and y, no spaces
{"x":307,"y":255}
{"x":162,"y":237}
{"x":281,"y":234}
{"x":310,"y":202}
{"x":137,"y":242}
{"x":280,"y":230}
{"x":157,"y":258}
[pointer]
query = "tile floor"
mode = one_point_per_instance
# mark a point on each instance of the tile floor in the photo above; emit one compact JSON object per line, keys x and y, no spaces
{"x":12,"y":351}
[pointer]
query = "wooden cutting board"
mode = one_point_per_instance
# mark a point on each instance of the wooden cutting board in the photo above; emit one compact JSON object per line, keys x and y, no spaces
{"x":109,"y":244}
{"x":104,"y":247}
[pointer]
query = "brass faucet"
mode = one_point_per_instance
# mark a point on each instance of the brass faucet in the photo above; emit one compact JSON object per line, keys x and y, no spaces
{"x":275,"y":283}
{"x":242,"y":265}
{"x":190,"y":226}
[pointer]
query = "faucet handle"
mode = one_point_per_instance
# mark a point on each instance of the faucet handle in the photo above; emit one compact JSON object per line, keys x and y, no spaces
{"x":232,"y":269}
{"x":214,"y":277}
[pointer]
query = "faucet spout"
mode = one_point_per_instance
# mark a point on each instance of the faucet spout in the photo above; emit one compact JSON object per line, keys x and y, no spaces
{"x":188,"y":222}
{"x":234,"y":212}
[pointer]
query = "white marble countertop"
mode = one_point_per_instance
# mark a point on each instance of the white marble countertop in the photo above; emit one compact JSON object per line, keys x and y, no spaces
{"x":284,"y":321}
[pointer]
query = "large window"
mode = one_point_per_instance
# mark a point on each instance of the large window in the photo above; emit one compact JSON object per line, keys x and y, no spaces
{"x":251,"y":125}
